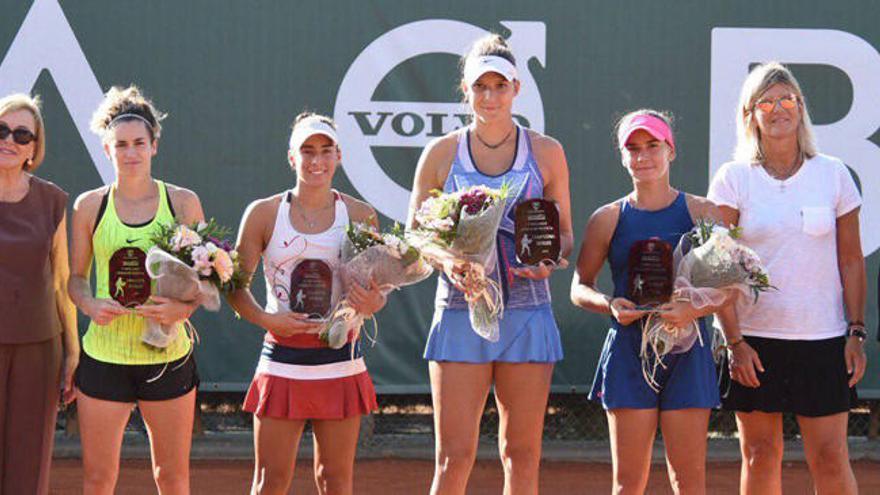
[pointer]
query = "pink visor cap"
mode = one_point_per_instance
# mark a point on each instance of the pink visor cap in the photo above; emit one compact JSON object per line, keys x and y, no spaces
{"x":649,"y":123}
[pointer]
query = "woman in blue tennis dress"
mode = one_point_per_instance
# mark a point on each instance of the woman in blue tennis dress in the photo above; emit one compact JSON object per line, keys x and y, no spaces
{"x":492,"y":151}
{"x":687,"y":384}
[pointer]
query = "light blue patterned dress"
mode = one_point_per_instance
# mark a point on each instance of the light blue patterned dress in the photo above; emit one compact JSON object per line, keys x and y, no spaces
{"x":528,"y":331}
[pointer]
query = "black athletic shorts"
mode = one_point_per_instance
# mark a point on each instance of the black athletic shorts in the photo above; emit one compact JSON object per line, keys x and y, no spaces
{"x":134,"y":382}
{"x":804,"y":377}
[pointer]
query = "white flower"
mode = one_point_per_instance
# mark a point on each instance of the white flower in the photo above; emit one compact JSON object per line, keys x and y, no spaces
{"x":211,"y":247}
{"x":184,"y":237}
{"x":720,"y":230}
{"x":427,"y":211}
{"x":391,"y":241}
{"x":724,"y":241}
{"x":398,"y":245}
{"x":442,"y":224}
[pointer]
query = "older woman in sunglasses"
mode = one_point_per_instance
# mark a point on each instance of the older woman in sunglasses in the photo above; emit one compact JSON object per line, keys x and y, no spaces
{"x":797,"y":349}
{"x":38,"y":321}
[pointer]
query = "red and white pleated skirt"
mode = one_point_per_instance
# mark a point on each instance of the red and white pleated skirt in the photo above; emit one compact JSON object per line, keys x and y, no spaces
{"x":282,"y":397}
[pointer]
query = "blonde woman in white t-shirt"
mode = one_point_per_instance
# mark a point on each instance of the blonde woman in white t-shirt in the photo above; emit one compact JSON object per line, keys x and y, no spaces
{"x":798,"y":349}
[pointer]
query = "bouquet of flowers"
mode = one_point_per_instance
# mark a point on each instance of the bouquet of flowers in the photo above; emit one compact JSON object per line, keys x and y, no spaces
{"x":709,"y":263}
{"x":192,"y":264}
{"x":385,"y":258}
{"x":463,"y":225}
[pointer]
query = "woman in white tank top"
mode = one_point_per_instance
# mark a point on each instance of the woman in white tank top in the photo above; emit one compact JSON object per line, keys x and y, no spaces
{"x":298,"y":377}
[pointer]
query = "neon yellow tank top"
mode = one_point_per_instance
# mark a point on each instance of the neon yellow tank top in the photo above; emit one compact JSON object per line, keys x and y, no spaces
{"x":120,"y":341}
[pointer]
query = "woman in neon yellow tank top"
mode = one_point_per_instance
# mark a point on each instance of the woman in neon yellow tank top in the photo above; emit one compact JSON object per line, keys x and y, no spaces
{"x":114,"y":224}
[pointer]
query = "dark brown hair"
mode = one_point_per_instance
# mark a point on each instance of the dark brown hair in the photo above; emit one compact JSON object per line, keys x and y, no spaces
{"x":491,"y":44}
{"x":308,"y":114}
{"x":664,"y":115}
{"x":127,"y":101}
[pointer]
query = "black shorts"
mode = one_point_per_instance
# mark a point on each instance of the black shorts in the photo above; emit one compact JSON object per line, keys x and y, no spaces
{"x":804,"y":377}
{"x":134,"y":382}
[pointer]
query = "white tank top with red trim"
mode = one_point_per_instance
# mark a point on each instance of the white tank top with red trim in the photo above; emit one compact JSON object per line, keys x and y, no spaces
{"x":288,"y":246}
{"x":286,"y":249}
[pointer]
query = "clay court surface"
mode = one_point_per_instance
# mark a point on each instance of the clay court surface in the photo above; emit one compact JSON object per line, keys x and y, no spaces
{"x":393,"y":476}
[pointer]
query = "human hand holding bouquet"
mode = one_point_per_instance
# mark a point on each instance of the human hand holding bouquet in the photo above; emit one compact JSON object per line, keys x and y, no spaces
{"x":368,"y":299}
{"x":191,"y":266}
{"x":458,"y":231}
{"x":625,"y":311}
{"x":373,"y":264}
{"x":710,"y":266}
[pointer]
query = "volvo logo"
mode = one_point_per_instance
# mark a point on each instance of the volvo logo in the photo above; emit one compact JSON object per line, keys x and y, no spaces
{"x":365,"y":123}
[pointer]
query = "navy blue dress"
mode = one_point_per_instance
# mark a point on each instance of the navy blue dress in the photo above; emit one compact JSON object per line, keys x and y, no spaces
{"x":689,"y":379}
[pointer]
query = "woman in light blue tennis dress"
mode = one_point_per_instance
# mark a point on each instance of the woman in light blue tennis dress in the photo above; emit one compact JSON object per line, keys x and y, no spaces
{"x":492,"y":151}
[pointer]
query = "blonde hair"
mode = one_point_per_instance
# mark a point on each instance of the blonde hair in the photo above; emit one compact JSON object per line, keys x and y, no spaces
{"x":21,"y":101}
{"x":130,"y":104}
{"x":748,"y":136}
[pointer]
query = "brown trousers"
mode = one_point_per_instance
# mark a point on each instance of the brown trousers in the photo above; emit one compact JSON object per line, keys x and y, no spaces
{"x":29,"y":391}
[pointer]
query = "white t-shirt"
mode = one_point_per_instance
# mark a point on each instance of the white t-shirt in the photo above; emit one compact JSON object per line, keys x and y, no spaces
{"x":791,"y":224}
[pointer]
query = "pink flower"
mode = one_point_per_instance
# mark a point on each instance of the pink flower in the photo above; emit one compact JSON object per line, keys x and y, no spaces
{"x":184,"y":237}
{"x":201,"y":257}
{"x":223,"y":265}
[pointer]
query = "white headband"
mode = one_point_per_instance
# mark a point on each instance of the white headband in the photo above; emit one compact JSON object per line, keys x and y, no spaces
{"x":125,"y":116}
{"x":307,"y":128}
{"x":477,"y":66}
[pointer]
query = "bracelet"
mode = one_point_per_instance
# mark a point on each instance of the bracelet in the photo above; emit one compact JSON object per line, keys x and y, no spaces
{"x":855,"y":323}
{"x":735,"y":342}
{"x":857,"y":331}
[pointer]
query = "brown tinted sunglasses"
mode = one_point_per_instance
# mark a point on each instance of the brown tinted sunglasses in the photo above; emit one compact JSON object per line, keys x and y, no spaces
{"x":20,"y":136}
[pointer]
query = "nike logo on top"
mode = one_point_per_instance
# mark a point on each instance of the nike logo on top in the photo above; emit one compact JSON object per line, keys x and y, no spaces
{"x":129,"y":241}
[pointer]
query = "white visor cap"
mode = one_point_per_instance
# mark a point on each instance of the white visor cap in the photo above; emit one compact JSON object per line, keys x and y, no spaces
{"x":475,"y":67}
{"x":307,"y":128}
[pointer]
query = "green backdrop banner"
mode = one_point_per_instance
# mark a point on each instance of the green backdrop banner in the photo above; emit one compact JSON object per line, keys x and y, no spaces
{"x":232,"y":75}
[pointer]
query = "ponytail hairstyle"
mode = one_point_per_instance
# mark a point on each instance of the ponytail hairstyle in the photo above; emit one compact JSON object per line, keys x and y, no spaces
{"x":491,"y":44}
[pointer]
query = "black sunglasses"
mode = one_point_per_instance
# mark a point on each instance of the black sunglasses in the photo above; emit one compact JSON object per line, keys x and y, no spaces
{"x":20,"y":136}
